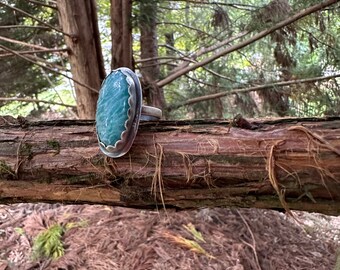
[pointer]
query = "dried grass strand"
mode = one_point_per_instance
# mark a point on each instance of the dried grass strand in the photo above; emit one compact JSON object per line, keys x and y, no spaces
{"x":273,"y":179}
{"x":316,"y":138}
{"x":157,"y":181}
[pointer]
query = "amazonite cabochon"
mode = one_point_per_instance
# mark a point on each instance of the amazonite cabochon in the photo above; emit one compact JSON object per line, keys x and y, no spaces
{"x":112,"y":108}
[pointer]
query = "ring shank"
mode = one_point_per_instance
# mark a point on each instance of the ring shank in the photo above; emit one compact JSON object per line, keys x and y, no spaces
{"x":150,"y":113}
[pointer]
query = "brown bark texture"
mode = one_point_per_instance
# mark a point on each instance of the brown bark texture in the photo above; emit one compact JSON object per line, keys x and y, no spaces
{"x":149,"y":50}
{"x":79,"y":20}
{"x":283,"y":163}
{"x":121,"y":34}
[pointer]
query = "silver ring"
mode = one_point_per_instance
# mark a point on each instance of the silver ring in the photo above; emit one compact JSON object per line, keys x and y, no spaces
{"x":119,"y":111}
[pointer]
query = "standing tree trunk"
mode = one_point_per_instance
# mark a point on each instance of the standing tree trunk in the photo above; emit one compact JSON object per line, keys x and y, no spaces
{"x":170,"y":43}
{"x":149,"y":50}
{"x":121,"y":34}
{"x":78,"y":20}
{"x":218,"y":108}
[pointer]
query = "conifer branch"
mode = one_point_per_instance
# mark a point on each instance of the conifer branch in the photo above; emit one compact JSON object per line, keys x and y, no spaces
{"x":40,"y":60}
{"x":214,"y":47}
{"x":23,"y":26}
{"x":189,"y":27}
{"x":161,"y":58}
{"x":23,"y":43}
{"x":34,"y":18}
{"x":43,"y":4}
{"x":250,"y":89}
{"x":48,"y":68}
{"x":246,"y":42}
{"x":35,"y":51}
{"x":32,"y":100}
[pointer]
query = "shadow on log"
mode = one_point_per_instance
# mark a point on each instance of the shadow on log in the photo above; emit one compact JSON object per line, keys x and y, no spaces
{"x":286,"y":163}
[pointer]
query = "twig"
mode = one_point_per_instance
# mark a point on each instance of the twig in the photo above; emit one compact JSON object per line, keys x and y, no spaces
{"x":214,"y":47}
{"x":41,"y":61}
{"x":34,"y":18}
{"x":23,"y":43}
{"x":250,"y":89}
{"x":157,"y":178}
{"x":291,"y":19}
{"x":160,"y":58}
{"x":270,"y":167}
{"x":23,"y":26}
{"x":36,"y":101}
{"x":51,"y":84}
{"x":322,"y":141}
{"x":34,"y":52}
{"x":189,"y":27}
{"x":51,"y":69}
{"x":234,"y":5}
{"x":43,"y":4}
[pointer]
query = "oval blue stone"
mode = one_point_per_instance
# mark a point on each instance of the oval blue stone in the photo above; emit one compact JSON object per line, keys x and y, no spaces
{"x":112,"y":108}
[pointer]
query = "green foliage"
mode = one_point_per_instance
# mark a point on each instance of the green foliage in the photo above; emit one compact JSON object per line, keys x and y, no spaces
{"x":26,"y":150}
{"x":48,"y":243}
{"x":18,"y":77}
{"x":196,"y":234}
{"x":54,"y":144}
{"x":18,"y":108}
{"x":144,"y":12}
{"x":5,"y":170}
{"x":70,"y":225}
{"x":19,"y":230}
{"x":307,"y":48}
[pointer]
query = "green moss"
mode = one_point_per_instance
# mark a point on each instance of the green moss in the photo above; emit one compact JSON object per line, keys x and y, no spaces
{"x":45,"y":180}
{"x":26,"y":150}
{"x":5,"y":170}
{"x":97,"y":160}
{"x":54,"y":144}
{"x":80,"y":179}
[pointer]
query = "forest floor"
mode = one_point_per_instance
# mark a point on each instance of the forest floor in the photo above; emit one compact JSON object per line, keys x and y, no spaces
{"x":103,"y":237}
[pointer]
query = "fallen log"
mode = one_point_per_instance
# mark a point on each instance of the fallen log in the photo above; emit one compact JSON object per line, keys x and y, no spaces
{"x":286,"y":163}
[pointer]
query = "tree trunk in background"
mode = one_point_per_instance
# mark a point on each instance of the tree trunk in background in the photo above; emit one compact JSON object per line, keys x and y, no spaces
{"x":79,"y":19}
{"x":149,"y":49}
{"x":218,"y":108}
{"x":170,"y":43}
{"x":121,"y":34}
{"x":183,"y":164}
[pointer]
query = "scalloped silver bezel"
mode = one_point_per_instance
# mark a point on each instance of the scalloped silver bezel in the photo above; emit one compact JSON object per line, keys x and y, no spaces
{"x":127,"y":137}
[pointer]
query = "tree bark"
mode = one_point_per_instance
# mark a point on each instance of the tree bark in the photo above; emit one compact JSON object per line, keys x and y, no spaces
{"x":121,"y":34}
{"x":149,"y":50}
{"x":79,"y":20}
{"x":285,"y":163}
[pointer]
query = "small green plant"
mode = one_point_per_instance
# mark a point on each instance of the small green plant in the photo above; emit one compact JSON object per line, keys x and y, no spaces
{"x":19,"y":230}
{"x":5,"y":170}
{"x":48,"y":243}
{"x":192,"y":245}
{"x":83,"y":223}
{"x":196,"y":234}
{"x":26,"y":150}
